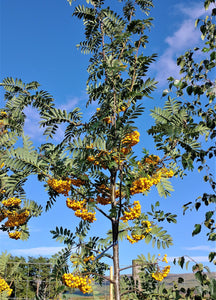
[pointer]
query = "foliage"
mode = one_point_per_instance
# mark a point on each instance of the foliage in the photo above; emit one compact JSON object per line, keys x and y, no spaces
{"x":31,"y":277}
{"x":94,"y":166}
{"x":143,"y":286}
{"x":16,"y":162}
{"x":184,"y":119}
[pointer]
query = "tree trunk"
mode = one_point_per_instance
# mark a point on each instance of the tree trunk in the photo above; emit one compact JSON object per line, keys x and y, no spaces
{"x":116,"y":261}
{"x":115,"y":232}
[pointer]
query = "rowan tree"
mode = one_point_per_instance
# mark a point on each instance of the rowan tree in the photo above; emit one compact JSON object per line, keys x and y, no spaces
{"x":15,"y":209}
{"x":95,"y":166}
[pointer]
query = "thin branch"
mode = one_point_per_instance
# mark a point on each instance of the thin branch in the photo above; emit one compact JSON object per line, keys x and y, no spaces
{"x":136,"y":265}
{"x":99,"y":275}
{"x":101,"y":211}
{"x":134,"y":72}
{"x":126,"y":268}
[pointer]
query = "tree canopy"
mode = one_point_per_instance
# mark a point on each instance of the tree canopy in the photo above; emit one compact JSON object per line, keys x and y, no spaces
{"x":95,"y":164}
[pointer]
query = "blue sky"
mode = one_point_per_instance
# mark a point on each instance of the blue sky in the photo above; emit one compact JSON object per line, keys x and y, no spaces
{"x":38,"y":42}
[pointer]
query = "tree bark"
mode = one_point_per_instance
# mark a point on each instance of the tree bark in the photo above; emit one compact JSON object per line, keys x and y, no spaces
{"x":115,"y":233}
{"x":116,"y":261}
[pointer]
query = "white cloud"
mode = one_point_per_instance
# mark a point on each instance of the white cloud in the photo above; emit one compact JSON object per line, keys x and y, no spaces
{"x":200,"y":248}
{"x":166,"y":67}
{"x":70,"y":104}
{"x":44,"y":251}
{"x":32,"y":127}
{"x":194,"y":10}
{"x":185,"y":37}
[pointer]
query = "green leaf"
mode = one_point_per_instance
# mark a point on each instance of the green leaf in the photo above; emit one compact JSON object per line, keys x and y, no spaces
{"x":148,"y":239}
{"x":197,"y":205}
{"x":212,"y":237}
{"x":197,"y":229}
{"x":209,"y":214}
{"x":181,"y":261}
{"x":186,"y":265}
{"x":180,"y":280}
{"x":189,"y":90}
{"x":197,"y":22}
{"x":165,"y":92}
{"x":211,"y":256}
{"x":206,"y":178}
{"x":199,"y":277}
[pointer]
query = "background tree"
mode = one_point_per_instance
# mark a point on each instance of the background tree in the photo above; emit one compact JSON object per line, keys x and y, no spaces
{"x":29,"y":277}
{"x":185,"y":118}
{"x":186,"y":127}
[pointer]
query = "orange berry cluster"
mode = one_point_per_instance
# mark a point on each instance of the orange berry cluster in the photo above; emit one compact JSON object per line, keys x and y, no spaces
{"x":152,"y":160}
{"x":103,"y":188}
{"x":10,"y":202}
{"x":3,"y":114}
{"x":86,"y":259}
{"x":60,"y":186}
{"x":165,"y":258}
{"x":89,"y":146}
{"x":166,"y":173}
{"x":131,"y":139}
{"x":160,"y":275}
{"x":144,"y":184}
{"x":75,"y":205}
{"x":80,"y":210}
{"x":103,"y":200}
{"x":77,"y":182}
{"x":75,"y":257}
{"x":122,"y":108}
{"x":4,"y":287}
{"x":117,"y":193}
{"x":15,"y":219}
{"x":147,"y":226}
{"x":15,"y":235}
{"x":125,"y":150}
{"x":86,"y":215}
{"x":83,"y":283}
{"x":2,"y":122}
{"x":2,"y":214}
{"x":133,"y":213}
{"x":91,"y":158}
{"x":135,"y":238}
{"x":107,"y":120}
{"x":99,"y":158}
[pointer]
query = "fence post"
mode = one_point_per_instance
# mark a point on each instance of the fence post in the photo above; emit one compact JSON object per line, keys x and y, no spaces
{"x":111,"y":285}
